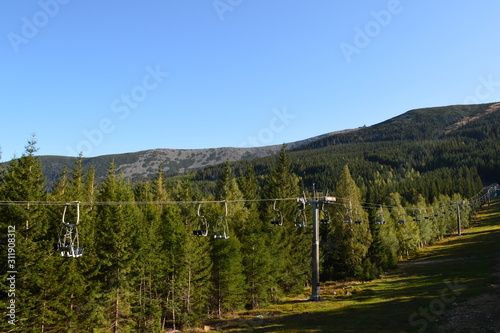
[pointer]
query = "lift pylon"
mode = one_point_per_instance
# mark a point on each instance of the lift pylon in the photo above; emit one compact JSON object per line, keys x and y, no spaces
{"x":318,"y":197}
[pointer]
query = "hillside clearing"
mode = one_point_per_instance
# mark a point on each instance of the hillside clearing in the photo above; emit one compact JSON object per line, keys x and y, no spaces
{"x":452,"y":286}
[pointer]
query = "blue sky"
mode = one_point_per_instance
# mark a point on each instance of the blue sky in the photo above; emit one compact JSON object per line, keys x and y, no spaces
{"x":105,"y":77}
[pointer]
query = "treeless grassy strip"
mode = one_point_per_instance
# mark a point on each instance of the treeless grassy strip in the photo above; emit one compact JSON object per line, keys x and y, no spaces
{"x":424,"y":294}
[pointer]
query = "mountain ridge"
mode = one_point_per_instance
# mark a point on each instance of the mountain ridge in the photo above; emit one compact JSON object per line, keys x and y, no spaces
{"x":144,"y":164}
{"x":413,"y":125}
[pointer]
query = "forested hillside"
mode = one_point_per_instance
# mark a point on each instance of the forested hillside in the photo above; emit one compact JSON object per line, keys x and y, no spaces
{"x":142,"y":165}
{"x":421,"y":151}
{"x":168,"y":253}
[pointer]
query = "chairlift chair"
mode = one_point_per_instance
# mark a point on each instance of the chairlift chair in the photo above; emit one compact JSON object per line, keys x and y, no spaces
{"x":357,"y":220}
{"x":202,"y":230}
{"x":221,"y":229}
{"x":416,"y":217}
{"x":300,"y":217}
{"x":68,"y":242}
{"x":348,"y":218}
{"x":326,"y":215}
{"x":279,"y":216}
{"x":380,"y":217}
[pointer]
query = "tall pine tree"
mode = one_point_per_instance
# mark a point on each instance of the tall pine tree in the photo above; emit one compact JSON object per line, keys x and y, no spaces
{"x":289,"y":245}
{"x":117,"y":245}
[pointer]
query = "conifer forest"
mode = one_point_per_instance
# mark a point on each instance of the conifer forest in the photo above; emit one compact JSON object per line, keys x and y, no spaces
{"x":109,"y":255}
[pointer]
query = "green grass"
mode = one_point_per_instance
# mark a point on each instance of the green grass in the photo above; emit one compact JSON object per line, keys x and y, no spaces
{"x":414,"y":297}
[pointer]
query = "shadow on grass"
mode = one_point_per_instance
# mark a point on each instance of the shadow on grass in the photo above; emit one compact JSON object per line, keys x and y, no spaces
{"x":409,"y":299}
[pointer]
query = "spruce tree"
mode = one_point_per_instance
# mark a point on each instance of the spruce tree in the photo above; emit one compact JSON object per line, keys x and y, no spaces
{"x":407,"y":231}
{"x":227,"y":273}
{"x":117,"y":246}
{"x":289,"y":245}
{"x":349,"y":237}
{"x":71,"y":274}
{"x":383,"y":252}
{"x":151,"y":276}
{"x":22,"y":180}
{"x":197,"y":260}
{"x":257,"y":261}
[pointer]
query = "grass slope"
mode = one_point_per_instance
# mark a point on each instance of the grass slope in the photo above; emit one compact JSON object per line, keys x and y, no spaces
{"x":449,"y":287}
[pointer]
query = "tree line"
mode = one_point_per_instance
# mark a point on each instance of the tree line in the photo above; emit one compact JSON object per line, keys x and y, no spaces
{"x":144,"y":270}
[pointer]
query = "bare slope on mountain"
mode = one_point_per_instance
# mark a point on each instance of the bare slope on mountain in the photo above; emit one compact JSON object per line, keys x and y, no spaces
{"x":181,"y":160}
{"x":493,"y":108}
{"x":142,"y":165}
{"x":419,"y":124}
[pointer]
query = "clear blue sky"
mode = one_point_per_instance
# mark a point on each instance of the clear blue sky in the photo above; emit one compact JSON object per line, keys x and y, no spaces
{"x":113,"y":76}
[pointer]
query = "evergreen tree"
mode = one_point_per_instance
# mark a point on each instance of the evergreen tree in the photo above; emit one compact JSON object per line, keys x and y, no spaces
{"x":257,"y":261}
{"x":423,"y":222}
{"x":228,"y":278}
{"x":22,"y":181}
{"x":197,"y":261}
{"x":440,"y":216}
{"x":151,"y":272}
{"x":383,"y":253}
{"x":71,"y":274}
{"x":407,"y":231}
{"x":117,"y":252}
{"x":349,"y":238}
{"x":289,"y":245}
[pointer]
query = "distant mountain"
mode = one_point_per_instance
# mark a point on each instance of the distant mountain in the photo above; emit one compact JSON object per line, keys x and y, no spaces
{"x":438,"y":146}
{"x":480,"y":121}
{"x":420,"y":124}
{"x":143,"y":165}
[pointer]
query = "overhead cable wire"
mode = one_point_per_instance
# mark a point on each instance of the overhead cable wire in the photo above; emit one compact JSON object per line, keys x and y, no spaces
{"x":483,"y":195}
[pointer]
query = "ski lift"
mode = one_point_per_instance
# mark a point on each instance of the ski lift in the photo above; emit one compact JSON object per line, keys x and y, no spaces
{"x":279,"y":216}
{"x":202,"y":230}
{"x":348,"y":217}
{"x":300,"y":217}
{"x":221,"y":228}
{"x":380,"y":217}
{"x":416,"y":216}
{"x":68,"y":242}
{"x":326,"y":215}
{"x":357,"y":220}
